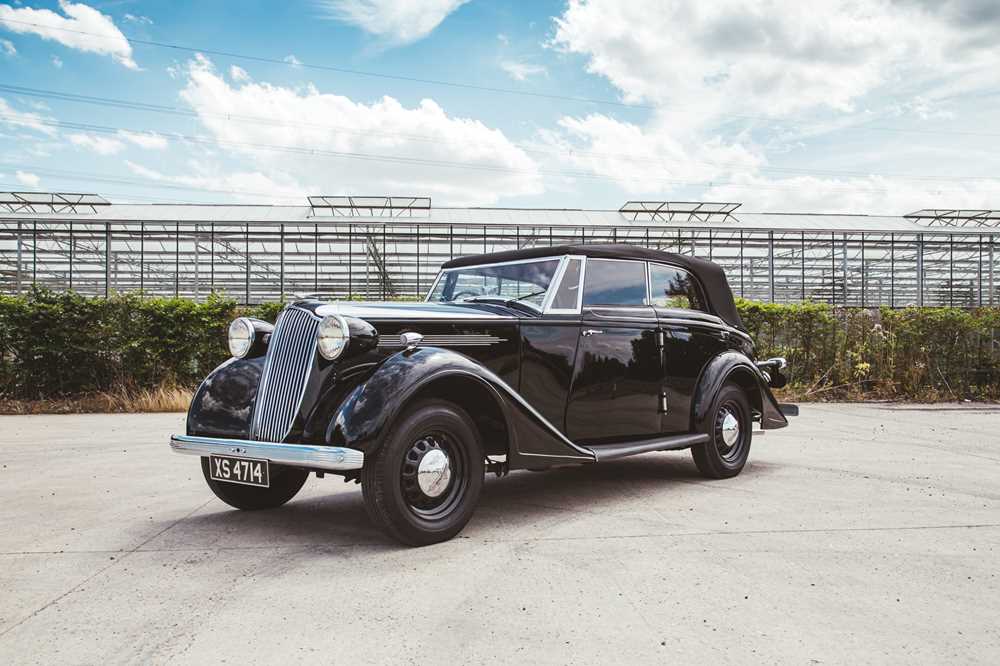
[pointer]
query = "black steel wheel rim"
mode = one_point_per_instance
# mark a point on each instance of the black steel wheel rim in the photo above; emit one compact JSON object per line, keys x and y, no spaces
{"x":443,"y":505}
{"x":731,"y":451}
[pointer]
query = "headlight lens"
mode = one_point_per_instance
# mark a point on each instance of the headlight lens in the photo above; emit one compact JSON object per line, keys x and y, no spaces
{"x":332,"y":337}
{"x":241,"y":333}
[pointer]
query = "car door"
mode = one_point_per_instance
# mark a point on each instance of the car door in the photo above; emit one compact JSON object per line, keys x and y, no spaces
{"x":548,"y":348}
{"x":617,"y":372}
{"x":692,"y":336}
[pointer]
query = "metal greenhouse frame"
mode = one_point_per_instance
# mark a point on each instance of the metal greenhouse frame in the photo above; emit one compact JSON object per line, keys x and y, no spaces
{"x":381,"y":247}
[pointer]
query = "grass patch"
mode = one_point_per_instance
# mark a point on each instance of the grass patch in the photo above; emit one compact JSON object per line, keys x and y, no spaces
{"x":121,"y":401}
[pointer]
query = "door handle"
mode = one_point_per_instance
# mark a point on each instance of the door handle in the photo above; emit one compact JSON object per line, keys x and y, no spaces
{"x":590,"y":331}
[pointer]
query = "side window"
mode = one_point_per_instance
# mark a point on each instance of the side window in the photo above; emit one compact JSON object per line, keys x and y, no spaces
{"x":609,"y":282}
{"x":569,"y":289}
{"x":674,"y":288}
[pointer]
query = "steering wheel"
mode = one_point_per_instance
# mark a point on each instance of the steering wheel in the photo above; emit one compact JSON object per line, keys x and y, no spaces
{"x":462,"y":294}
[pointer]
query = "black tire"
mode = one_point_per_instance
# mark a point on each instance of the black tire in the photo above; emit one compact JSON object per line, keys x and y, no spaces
{"x":718,"y":458}
{"x":394,"y":496}
{"x":285,"y":484}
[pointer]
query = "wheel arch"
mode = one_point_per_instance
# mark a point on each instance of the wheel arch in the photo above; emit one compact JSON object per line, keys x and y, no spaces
{"x":479,"y":401}
{"x":738,"y":368}
{"x":746,"y":380}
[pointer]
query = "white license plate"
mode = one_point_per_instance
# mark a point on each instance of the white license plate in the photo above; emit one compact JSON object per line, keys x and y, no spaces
{"x":248,"y":471}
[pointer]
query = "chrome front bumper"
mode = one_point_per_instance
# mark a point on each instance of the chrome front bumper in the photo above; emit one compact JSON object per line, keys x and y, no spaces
{"x":332,"y":458}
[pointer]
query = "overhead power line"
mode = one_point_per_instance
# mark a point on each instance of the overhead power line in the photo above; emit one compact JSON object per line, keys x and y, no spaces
{"x":528,"y":148}
{"x":462,"y":85}
{"x":339,"y":70}
{"x":414,"y":161}
{"x":172,"y":184}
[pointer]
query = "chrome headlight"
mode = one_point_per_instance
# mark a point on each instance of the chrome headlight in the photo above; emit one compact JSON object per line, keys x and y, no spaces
{"x":241,"y":333}
{"x":332,"y":337}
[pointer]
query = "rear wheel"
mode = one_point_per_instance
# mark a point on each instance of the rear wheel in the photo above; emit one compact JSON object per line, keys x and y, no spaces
{"x":729,"y":430}
{"x":285,"y":484}
{"x":423,"y":484}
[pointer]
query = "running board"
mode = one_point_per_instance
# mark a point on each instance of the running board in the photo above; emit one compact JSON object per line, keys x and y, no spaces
{"x":604,"y":452}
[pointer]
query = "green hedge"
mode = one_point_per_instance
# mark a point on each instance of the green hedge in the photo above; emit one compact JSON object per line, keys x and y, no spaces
{"x":59,"y":345}
{"x":911,"y":353}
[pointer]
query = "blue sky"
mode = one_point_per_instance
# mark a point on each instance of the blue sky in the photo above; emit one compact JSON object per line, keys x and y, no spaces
{"x":855,"y":106}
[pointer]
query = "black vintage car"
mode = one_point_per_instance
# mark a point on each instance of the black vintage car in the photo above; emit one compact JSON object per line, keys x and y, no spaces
{"x":516,"y":360}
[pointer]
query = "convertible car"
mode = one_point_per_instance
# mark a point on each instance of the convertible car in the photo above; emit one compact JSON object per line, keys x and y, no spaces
{"x":526,"y":359}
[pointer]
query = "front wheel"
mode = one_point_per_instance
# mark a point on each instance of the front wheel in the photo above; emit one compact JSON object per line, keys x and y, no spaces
{"x":285,"y":484}
{"x":729,"y":428}
{"x":423,"y":483}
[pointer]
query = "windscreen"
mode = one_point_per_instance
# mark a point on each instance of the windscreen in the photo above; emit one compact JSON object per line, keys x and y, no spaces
{"x":527,"y":282}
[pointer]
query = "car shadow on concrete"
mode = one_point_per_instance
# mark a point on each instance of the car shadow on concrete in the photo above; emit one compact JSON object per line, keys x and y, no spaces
{"x":520,"y":500}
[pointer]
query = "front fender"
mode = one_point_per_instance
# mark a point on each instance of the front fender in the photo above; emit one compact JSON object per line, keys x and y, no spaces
{"x":735,"y":366}
{"x":364,"y":417}
{"x":223,"y":404}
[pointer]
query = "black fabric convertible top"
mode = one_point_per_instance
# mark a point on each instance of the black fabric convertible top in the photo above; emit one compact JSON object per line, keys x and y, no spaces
{"x":711,"y":275}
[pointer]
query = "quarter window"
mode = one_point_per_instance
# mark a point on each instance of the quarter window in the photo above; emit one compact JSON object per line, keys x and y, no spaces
{"x":674,"y":288}
{"x":568,"y":294}
{"x":609,"y":282}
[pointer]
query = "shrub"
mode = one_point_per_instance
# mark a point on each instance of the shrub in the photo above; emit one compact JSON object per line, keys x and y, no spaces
{"x":63,"y":344}
{"x":66,"y":345}
{"x":911,"y":353}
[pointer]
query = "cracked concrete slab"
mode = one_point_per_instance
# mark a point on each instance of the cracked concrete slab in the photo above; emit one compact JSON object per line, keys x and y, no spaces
{"x":862,"y":533}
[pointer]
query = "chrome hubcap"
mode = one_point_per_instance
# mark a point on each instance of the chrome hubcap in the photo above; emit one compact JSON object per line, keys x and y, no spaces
{"x":434,"y":473}
{"x":730,"y":429}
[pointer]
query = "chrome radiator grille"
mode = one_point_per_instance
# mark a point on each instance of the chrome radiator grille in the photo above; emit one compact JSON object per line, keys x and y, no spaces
{"x":289,"y":357}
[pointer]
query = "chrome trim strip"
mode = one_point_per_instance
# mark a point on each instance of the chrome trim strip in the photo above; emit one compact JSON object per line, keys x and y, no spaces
{"x":333,"y":458}
{"x":458,"y":340}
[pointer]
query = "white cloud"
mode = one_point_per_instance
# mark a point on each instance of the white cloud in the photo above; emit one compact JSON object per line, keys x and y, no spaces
{"x":641,"y":159}
{"x":246,"y":186}
{"x":521,"y":70}
{"x":379,"y":135}
{"x":864,"y":194}
{"x":713,"y":71}
{"x":57,"y":62}
{"x":82,"y":28}
{"x":503,"y":39}
{"x":102,"y":145}
{"x":292,"y":60}
{"x":238,"y":74}
{"x":8,"y":47}
{"x":767,"y":57}
{"x":14,"y":118}
{"x":27,"y":179}
{"x":138,"y":20}
{"x":112,"y":145}
{"x":398,"y":21}
{"x":147,"y":140}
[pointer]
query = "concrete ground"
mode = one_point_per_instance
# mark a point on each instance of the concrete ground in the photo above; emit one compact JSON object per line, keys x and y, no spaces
{"x":862,"y":533}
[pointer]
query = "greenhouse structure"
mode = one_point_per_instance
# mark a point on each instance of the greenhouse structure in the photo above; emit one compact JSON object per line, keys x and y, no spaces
{"x":341,"y":247}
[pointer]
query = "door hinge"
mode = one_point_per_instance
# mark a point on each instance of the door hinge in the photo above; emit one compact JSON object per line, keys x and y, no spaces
{"x":663,"y":403}
{"x":661,"y":338}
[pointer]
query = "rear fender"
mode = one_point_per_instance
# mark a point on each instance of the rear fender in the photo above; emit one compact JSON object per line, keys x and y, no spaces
{"x":364,"y":418}
{"x":737,"y":367}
